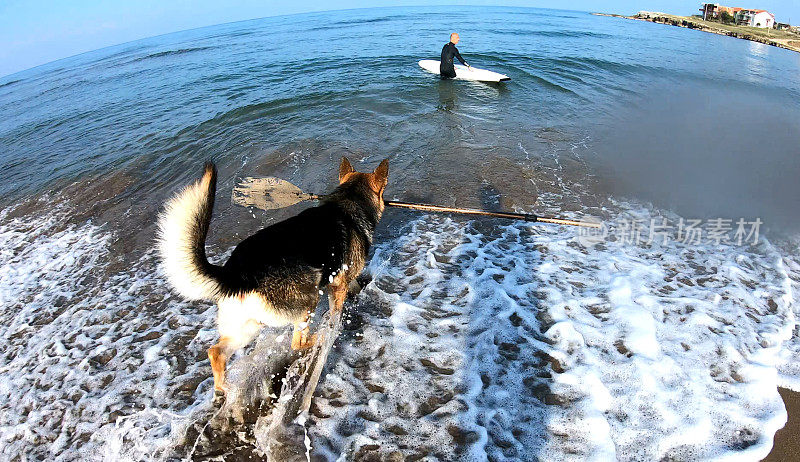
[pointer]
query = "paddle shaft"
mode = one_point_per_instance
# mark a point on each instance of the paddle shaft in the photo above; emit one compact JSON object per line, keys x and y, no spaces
{"x":516,"y":216}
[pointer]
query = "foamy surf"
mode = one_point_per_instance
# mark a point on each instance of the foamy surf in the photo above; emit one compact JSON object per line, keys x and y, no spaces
{"x":96,"y":365}
{"x":522,"y":343}
{"x":473,"y":340}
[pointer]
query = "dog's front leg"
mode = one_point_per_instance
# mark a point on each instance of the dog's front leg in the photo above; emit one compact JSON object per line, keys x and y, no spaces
{"x":301,"y":339}
{"x":337,"y":293}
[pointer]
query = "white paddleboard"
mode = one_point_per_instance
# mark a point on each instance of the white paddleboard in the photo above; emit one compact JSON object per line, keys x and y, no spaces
{"x":464,"y":72}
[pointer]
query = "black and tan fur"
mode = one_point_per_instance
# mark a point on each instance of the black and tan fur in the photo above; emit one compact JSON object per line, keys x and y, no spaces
{"x":273,"y":277}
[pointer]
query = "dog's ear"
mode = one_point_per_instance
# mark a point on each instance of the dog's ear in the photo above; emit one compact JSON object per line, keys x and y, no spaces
{"x":344,"y":169}
{"x":381,"y":172}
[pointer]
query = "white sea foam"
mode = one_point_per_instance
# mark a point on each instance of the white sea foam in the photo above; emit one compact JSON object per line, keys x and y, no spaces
{"x":92,"y":365}
{"x":789,"y":363}
{"x":518,"y":342}
{"x":473,"y":340}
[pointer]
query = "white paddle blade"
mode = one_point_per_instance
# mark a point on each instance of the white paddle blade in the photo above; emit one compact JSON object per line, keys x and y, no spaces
{"x":268,"y":193}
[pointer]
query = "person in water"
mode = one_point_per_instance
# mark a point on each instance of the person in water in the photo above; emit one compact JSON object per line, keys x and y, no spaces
{"x":446,"y":68}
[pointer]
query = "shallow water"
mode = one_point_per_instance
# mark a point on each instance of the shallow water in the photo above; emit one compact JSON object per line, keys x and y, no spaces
{"x":474,"y":339}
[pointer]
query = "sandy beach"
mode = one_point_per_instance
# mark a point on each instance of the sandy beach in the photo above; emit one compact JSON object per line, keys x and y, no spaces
{"x":787,"y":444}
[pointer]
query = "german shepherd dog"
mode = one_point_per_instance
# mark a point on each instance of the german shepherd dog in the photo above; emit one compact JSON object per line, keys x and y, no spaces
{"x":275,"y":276}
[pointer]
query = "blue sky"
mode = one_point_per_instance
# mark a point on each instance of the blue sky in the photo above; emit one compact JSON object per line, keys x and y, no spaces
{"x":34,"y":32}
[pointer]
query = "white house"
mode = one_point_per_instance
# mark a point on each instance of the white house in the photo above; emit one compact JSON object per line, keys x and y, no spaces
{"x":755,"y":18}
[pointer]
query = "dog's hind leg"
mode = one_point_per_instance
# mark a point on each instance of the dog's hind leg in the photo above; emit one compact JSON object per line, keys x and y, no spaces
{"x":233,"y":335}
{"x":218,"y":356}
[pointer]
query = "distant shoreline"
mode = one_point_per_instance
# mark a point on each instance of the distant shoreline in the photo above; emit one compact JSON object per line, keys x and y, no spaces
{"x":789,"y":42}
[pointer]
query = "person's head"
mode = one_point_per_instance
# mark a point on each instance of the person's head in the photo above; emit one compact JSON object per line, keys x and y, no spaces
{"x":454,"y":38}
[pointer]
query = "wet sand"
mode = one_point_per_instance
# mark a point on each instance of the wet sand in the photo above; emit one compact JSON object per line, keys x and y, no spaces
{"x":787,"y":443}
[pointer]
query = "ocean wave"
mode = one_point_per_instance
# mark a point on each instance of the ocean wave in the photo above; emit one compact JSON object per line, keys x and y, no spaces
{"x":371,"y":20}
{"x":511,"y":342}
{"x":561,"y":33}
{"x":162,"y":54}
{"x":549,"y":83}
{"x":9,"y":83}
{"x":356,"y":22}
{"x":595,"y":64}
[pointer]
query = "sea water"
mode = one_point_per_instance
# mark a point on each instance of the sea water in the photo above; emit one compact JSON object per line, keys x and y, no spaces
{"x":472,"y":339}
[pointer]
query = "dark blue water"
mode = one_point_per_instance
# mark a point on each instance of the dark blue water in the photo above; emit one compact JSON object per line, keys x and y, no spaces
{"x":603,"y":116}
{"x":232,"y":92}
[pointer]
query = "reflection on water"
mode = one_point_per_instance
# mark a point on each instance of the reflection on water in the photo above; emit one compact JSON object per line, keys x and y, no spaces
{"x":448,"y":94}
{"x":704,"y":152}
{"x":756,"y":62}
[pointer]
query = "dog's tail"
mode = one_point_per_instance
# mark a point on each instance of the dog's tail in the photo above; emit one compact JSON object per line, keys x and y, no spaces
{"x":182,"y":230}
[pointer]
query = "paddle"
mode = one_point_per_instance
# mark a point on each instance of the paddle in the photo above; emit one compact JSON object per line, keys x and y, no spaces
{"x":274,"y":193}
